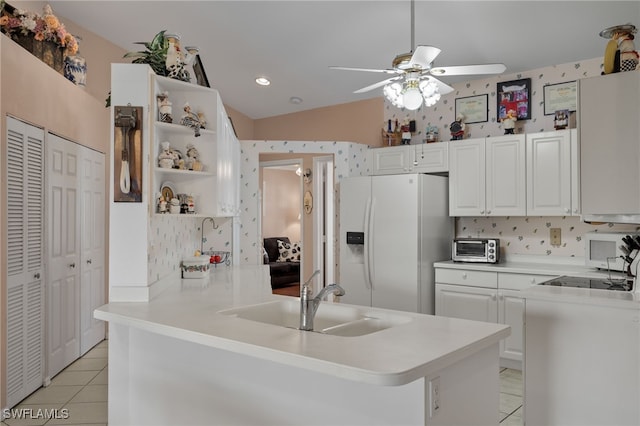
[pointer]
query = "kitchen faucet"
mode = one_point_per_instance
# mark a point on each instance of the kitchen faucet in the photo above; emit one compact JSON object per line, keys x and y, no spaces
{"x":202,"y":232}
{"x":308,"y":306}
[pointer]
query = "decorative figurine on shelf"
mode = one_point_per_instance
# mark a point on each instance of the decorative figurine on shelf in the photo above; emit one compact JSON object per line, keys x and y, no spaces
{"x":164,"y":108}
{"x":620,"y":53}
{"x":193,"y":120}
{"x":166,"y":158}
{"x":509,"y":122}
{"x":431,"y":134}
{"x":457,"y":128}
{"x":406,"y":132}
{"x":162,"y":204}
{"x":191,"y":205}
{"x":193,"y":157}
{"x":561,"y":120}
{"x":176,"y":62}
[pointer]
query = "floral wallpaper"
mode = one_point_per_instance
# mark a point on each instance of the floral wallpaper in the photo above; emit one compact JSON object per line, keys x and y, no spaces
{"x":530,"y":235}
{"x":349,"y":160}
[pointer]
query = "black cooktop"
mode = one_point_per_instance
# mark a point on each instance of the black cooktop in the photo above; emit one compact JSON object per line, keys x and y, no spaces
{"x":598,"y":283}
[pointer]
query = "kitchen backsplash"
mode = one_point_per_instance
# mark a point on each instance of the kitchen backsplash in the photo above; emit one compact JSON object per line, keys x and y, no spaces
{"x":530,"y":235}
{"x":174,"y":237}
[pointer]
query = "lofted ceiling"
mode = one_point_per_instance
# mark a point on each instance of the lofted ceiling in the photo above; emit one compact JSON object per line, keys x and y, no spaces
{"x":293,"y":43}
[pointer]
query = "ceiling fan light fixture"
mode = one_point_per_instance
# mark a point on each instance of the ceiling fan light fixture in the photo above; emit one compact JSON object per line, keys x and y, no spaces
{"x":437,"y":71}
{"x":263,"y":81}
{"x":393,"y":92}
{"x":411,"y":96}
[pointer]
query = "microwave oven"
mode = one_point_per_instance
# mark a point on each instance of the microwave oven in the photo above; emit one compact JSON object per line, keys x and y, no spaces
{"x":601,"y":248}
{"x":478,"y":250}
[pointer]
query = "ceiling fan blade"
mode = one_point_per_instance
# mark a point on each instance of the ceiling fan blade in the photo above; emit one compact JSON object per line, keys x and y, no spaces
{"x":423,"y":56}
{"x":378,"y":84}
{"x":443,"y":88}
{"x":469,"y":69}
{"x":387,"y":71}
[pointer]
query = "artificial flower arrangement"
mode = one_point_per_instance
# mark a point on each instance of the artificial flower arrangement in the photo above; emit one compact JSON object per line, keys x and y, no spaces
{"x":45,"y":27}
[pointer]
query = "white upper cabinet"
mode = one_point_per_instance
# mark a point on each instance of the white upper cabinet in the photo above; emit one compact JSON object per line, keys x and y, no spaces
{"x":419,"y":158}
{"x":552,"y":175}
{"x":487,"y":177}
{"x":609,"y":148}
{"x":505,"y":186}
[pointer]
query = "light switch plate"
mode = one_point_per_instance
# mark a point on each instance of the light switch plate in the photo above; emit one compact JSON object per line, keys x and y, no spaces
{"x":555,"y":235}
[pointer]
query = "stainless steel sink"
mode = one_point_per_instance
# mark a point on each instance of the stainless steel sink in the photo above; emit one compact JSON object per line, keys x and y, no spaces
{"x":331,"y":318}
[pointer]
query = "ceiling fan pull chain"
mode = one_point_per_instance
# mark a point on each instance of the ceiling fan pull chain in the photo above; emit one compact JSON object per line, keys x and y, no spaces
{"x":413,"y":26}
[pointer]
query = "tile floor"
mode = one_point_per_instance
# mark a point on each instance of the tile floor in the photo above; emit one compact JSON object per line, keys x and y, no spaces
{"x":81,"y":389}
{"x":76,"y":396}
{"x":510,"y":397}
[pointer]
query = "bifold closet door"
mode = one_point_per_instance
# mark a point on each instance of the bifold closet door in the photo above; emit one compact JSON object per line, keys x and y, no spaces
{"x":24,"y":206}
{"x":63,"y":242}
{"x":92,"y":246}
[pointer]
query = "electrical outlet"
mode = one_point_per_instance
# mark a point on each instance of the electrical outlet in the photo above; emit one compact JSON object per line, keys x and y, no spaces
{"x":555,"y":236}
{"x":434,"y":396}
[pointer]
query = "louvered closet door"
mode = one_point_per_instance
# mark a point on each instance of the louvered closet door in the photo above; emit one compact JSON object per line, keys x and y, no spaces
{"x":25,"y":290}
{"x":92,"y":237}
{"x":63,"y":242}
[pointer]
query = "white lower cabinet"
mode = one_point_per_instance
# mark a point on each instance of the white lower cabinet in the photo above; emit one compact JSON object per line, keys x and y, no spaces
{"x":490,"y":297}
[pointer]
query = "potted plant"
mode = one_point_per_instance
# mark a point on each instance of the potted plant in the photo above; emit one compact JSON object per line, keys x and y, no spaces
{"x":154,"y":55}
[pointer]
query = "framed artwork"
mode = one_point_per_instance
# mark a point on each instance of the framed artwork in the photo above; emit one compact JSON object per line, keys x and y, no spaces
{"x":474,"y":108}
{"x":560,"y":97}
{"x":514,"y":95}
{"x":198,"y":70}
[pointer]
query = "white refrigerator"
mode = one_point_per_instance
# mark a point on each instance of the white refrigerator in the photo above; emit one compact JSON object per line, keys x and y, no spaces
{"x":392,"y":229}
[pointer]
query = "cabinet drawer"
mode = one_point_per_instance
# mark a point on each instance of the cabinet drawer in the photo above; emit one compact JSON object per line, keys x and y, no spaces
{"x":521,"y":281}
{"x":467,"y":277}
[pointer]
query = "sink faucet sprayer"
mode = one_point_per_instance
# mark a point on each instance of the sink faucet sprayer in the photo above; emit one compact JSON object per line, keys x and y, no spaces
{"x":202,"y":231}
{"x":308,"y":306}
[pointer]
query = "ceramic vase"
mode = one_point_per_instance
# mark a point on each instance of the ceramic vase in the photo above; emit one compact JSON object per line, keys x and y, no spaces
{"x":75,"y":68}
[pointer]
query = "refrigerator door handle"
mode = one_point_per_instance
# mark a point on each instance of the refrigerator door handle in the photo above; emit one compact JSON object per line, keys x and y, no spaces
{"x":370,"y":267}
{"x":367,"y":214}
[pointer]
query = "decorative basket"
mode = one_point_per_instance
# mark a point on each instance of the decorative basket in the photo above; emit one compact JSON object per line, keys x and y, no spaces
{"x":48,"y":52}
{"x":195,"y":267}
{"x":218,"y":257}
{"x":391,"y":139}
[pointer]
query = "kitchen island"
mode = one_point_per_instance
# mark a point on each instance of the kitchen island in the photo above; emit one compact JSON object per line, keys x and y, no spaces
{"x":179,"y":360}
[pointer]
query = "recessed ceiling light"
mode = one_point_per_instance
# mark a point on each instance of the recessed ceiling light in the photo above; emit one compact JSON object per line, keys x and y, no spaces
{"x":263,"y":81}
{"x":295,"y":100}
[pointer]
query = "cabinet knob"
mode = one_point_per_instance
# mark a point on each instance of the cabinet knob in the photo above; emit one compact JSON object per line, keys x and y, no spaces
{"x":533,"y":280}
{"x":567,"y":210}
{"x":464,"y":275}
{"x":488,"y":211}
{"x":494,"y":297}
{"x":88,"y":261}
{"x":36,"y":275}
{"x":481,"y":211}
{"x":72,"y":265}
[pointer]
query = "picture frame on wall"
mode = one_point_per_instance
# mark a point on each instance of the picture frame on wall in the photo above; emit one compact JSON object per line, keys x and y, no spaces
{"x":474,"y":108}
{"x":514,"y":95}
{"x":560,"y":97}
{"x":198,"y":70}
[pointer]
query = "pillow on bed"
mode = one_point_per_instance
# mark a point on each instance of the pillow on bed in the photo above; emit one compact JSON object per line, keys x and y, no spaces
{"x":289,"y":252}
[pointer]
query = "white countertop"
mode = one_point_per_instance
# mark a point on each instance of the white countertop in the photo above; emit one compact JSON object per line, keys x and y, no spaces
{"x":395,"y":356}
{"x":623,"y":299}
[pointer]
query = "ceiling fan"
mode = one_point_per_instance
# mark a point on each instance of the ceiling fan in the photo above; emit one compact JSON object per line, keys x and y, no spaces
{"x":414,"y":72}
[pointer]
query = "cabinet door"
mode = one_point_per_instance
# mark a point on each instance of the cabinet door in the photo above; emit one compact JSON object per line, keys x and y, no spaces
{"x":505,"y":174}
{"x":467,"y":178}
{"x":609,"y":148}
{"x":511,"y":313}
{"x":92,"y":246}
{"x":393,"y":160}
{"x":430,"y":158}
{"x":63,"y":240}
{"x":24,"y":307}
{"x":549,"y":174}
{"x":472,"y":303}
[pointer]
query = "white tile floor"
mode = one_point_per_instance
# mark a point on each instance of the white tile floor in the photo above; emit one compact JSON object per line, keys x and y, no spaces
{"x":81,"y":390}
{"x":76,"y":396}
{"x":510,"y":397}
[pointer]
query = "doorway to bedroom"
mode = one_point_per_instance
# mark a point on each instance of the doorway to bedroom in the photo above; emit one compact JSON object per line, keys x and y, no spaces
{"x":281,"y":184}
